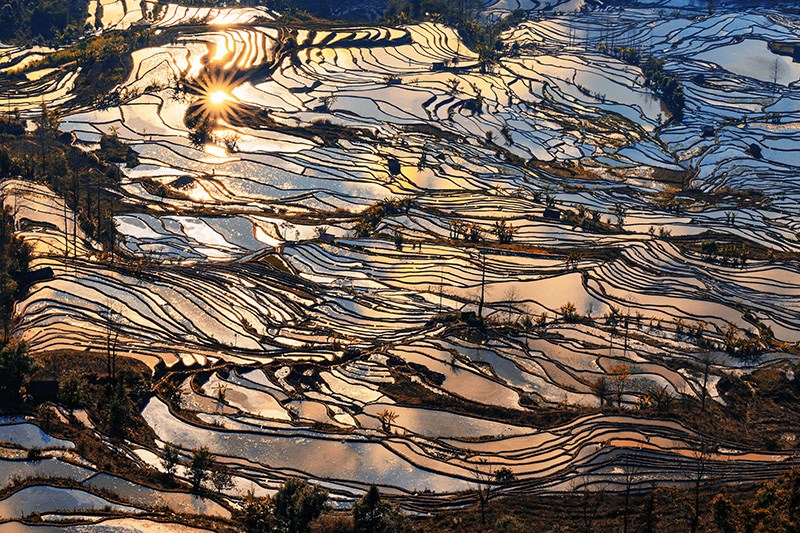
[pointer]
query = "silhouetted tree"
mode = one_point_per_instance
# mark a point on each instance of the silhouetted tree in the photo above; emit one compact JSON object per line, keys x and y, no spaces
{"x":296,"y":505}
{"x":221,"y":477}
{"x":14,"y":258}
{"x":373,"y":515}
{"x":487,"y":478}
{"x":199,"y":467}
{"x":16,"y":366}
{"x":256,"y":514}
{"x":170,"y":458}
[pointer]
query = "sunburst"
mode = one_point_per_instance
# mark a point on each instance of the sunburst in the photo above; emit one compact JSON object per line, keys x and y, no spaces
{"x":214,"y":99}
{"x":218,"y":98}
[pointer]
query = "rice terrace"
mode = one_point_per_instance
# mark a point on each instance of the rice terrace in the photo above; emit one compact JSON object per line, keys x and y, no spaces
{"x":408,"y":265}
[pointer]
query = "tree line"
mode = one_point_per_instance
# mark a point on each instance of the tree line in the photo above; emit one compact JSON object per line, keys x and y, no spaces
{"x":297,"y":506}
{"x":42,"y":21}
{"x":15,"y":363}
{"x":668,"y":87}
{"x":86,"y":181}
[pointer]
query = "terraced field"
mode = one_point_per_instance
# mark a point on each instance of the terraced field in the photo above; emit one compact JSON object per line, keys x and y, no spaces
{"x":248,"y":270}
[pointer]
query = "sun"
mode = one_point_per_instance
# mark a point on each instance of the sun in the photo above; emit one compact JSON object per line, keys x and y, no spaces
{"x":212,"y":99}
{"x":218,"y":97}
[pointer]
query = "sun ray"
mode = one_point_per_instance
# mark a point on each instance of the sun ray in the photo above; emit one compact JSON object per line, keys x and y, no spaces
{"x":214,"y":102}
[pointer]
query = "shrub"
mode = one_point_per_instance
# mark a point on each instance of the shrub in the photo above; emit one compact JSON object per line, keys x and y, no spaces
{"x":507,"y":524}
{"x":34,"y":454}
{"x":332,"y":523}
{"x":73,"y":393}
{"x":504,"y":231}
{"x":569,"y":313}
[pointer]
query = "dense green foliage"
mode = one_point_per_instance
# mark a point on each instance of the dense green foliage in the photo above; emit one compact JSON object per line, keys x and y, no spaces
{"x":42,"y":20}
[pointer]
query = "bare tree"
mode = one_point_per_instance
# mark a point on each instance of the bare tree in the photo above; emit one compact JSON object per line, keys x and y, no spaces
{"x":47,"y":124}
{"x":483,"y":283}
{"x":66,"y":229}
{"x":111,"y":319}
{"x":776,"y":68}
{"x":620,"y":211}
{"x":511,"y":297}
{"x":706,"y":360}
{"x":441,"y":287}
{"x":486,"y":479}
{"x":630,"y":472}
{"x":699,"y":475}
{"x":586,"y":509}
{"x":620,"y":374}
{"x":650,"y":515}
{"x":627,"y":322}
{"x":588,"y":503}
